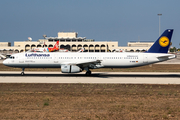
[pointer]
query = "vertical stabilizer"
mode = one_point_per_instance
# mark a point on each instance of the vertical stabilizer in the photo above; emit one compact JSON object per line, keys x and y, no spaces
{"x":162,"y":43}
{"x":56,"y":45}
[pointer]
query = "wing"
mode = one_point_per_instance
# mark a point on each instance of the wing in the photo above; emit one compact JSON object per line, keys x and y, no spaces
{"x":91,"y":64}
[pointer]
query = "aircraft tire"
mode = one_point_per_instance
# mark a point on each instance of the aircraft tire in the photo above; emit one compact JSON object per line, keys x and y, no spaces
{"x":88,"y":73}
{"x":22,"y":73}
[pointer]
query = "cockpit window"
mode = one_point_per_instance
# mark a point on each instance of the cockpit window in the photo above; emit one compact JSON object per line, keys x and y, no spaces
{"x":11,"y":57}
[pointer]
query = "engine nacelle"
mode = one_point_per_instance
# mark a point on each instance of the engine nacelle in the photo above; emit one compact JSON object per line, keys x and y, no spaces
{"x":70,"y":69}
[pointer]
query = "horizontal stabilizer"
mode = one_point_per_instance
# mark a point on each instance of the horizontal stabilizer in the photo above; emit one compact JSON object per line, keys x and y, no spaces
{"x":168,"y":56}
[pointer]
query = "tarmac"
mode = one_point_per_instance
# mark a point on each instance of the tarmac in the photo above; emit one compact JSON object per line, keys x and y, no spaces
{"x":95,"y":78}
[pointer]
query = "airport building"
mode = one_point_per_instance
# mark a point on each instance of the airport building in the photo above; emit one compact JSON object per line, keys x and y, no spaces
{"x":71,"y":42}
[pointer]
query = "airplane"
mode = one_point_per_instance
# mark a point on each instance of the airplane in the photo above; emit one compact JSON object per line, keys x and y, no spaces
{"x":63,"y":50}
{"x":118,"y":50}
{"x":81,"y":50}
{"x":75,"y":62}
{"x":55,"y":48}
{"x":2,"y":56}
{"x":66,"y":50}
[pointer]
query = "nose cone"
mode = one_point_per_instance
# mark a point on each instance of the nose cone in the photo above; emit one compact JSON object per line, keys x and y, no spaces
{"x":5,"y":62}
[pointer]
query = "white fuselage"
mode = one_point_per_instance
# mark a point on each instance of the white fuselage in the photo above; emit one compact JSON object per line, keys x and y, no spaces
{"x":108,"y":60}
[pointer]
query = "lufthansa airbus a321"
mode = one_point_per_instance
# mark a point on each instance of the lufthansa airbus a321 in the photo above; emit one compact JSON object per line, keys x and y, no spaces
{"x":70,"y":62}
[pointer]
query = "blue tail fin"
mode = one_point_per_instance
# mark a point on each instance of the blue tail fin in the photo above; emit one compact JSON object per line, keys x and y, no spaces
{"x":162,"y":43}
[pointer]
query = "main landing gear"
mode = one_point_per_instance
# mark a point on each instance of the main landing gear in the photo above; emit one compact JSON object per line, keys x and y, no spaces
{"x":22,"y":73}
{"x":88,"y":71}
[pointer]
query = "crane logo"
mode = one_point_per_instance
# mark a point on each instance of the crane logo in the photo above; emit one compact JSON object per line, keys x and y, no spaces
{"x":164,"y":41}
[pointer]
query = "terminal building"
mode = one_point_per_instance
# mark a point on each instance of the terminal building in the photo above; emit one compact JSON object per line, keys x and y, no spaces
{"x":71,"y":42}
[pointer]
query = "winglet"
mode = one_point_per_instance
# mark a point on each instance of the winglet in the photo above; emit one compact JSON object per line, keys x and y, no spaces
{"x":162,"y":43}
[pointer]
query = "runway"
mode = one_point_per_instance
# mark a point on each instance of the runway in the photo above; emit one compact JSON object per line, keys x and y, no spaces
{"x":97,"y":77}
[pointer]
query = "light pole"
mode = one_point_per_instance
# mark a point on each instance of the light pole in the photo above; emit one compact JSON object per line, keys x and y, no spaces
{"x":159,"y":24}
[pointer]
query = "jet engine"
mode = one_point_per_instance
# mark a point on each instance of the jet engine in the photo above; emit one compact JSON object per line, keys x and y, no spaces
{"x":70,"y":69}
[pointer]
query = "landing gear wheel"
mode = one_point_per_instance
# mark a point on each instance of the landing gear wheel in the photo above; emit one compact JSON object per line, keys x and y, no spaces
{"x":22,"y":73}
{"x":88,"y":73}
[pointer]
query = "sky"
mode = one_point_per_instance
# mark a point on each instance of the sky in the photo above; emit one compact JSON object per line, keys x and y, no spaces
{"x":101,"y":20}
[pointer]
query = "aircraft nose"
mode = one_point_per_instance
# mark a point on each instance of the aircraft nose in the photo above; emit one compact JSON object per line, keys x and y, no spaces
{"x":5,"y":62}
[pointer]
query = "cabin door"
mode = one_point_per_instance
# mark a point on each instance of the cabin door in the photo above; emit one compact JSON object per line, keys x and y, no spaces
{"x":55,"y":58}
{"x":21,"y":58}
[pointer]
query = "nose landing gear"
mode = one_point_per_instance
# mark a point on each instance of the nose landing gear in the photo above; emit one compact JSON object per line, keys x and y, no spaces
{"x":22,"y":73}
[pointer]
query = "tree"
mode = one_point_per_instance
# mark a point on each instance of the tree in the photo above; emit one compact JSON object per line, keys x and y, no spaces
{"x":173,"y":49}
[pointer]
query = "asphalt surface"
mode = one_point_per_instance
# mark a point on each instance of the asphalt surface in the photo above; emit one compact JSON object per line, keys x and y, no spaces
{"x":96,"y":77}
